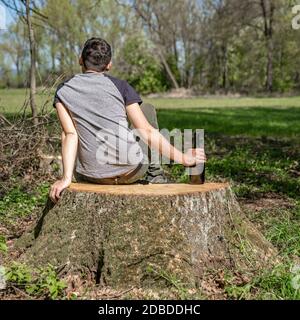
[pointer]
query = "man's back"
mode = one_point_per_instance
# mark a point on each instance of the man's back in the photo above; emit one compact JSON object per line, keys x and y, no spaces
{"x":97,"y":103}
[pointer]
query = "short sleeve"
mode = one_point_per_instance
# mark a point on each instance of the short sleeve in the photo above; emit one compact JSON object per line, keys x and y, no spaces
{"x":130,"y":96}
{"x":56,"y":98}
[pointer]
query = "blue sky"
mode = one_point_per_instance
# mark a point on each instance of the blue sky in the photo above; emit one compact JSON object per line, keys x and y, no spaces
{"x":9,"y":16}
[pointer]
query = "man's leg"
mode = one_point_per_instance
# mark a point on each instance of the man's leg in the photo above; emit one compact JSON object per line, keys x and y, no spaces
{"x":155,"y":173}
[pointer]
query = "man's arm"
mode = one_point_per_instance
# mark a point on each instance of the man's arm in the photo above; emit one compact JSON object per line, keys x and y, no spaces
{"x":69,"y":151}
{"x":157,"y":141}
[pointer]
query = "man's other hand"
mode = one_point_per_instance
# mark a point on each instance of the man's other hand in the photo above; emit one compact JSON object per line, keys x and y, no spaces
{"x":57,"y":188}
{"x":193,"y":157}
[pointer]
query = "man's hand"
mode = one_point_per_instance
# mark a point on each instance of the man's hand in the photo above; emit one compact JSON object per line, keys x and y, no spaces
{"x":57,"y":188}
{"x":194,"y":156}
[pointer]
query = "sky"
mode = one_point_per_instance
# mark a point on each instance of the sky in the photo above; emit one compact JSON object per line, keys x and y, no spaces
{"x":2,"y":17}
{"x":6,"y":17}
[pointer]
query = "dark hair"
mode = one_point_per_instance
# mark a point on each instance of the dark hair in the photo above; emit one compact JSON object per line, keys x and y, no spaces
{"x":96,"y":54}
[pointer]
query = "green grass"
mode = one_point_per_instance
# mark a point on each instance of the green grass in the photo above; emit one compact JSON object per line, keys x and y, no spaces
{"x":246,"y":121}
{"x":224,"y":102}
{"x":252,"y":142}
{"x":258,"y":149}
{"x":275,"y":284}
{"x":12,"y":99}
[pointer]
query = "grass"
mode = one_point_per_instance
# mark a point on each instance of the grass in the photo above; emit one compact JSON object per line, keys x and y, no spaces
{"x":252,"y":142}
{"x":12,"y":99}
{"x":280,"y":226}
{"x":224,"y":102}
{"x":257,"y":149}
{"x":246,"y":121}
{"x":276,"y":284}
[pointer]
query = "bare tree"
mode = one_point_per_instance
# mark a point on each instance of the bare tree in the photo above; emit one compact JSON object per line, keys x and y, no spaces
{"x":25,"y":8}
{"x":32,"y":45}
{"x":268,"y":8}
{"x":260,"y":15}
{"x":150,"y":15}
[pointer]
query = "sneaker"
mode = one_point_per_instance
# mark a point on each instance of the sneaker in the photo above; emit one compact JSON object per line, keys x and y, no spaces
{"x":161,"y":179}
{"x":156,"y":176}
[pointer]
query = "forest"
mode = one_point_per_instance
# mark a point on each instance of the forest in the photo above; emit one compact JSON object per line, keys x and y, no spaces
{"x":212,"y":46}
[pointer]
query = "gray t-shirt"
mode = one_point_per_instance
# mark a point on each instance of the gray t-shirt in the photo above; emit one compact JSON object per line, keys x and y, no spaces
{"x":97,"y":104}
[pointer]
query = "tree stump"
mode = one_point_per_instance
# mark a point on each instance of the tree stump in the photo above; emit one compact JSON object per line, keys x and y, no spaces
{"x":129,"y":235}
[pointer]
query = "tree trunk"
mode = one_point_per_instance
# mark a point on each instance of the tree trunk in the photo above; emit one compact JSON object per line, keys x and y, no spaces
{"x":168,"y":69}
{"x":126,"y":235}
{"x":32,"y":45}
{"x":269,"y":81}
{"x":19,"y":74}
{"x":225,"y":68}
{"x":268,"y":16}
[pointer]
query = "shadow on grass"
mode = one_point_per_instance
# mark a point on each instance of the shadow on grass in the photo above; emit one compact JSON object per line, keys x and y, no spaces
{"x":258,"y":148}
{"x":232,"y":121}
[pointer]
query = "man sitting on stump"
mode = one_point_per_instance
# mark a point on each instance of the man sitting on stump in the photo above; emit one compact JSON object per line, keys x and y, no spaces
{"x":93,"y":109}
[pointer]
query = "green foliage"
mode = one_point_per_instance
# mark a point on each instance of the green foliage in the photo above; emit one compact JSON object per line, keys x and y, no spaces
{"x":3,"y":246}
{"x":42,"y":282}
{"x":178,"y":173}
{"x":285,"y":235}
{"x":18,"y":274}
{"x":281,"y":227}
{"x":20,"y":203}
{"x":140,"y":67}
{"x":173,"y":64}
{"x":269,"y":284}
{"x":204,"y":45}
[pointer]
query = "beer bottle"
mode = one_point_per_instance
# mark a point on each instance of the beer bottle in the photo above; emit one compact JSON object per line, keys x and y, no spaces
{"x":197,"y":172}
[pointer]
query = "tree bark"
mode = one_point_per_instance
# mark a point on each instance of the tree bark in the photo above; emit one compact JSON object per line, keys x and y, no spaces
{"x":32,"y":45}
{"x":225,"y":68}
{"x":19,"y":74}
{"x":268,"y":16}
{"x":269,"y":81}
{"x":168,"y":69}
{"x":126,"y":235}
